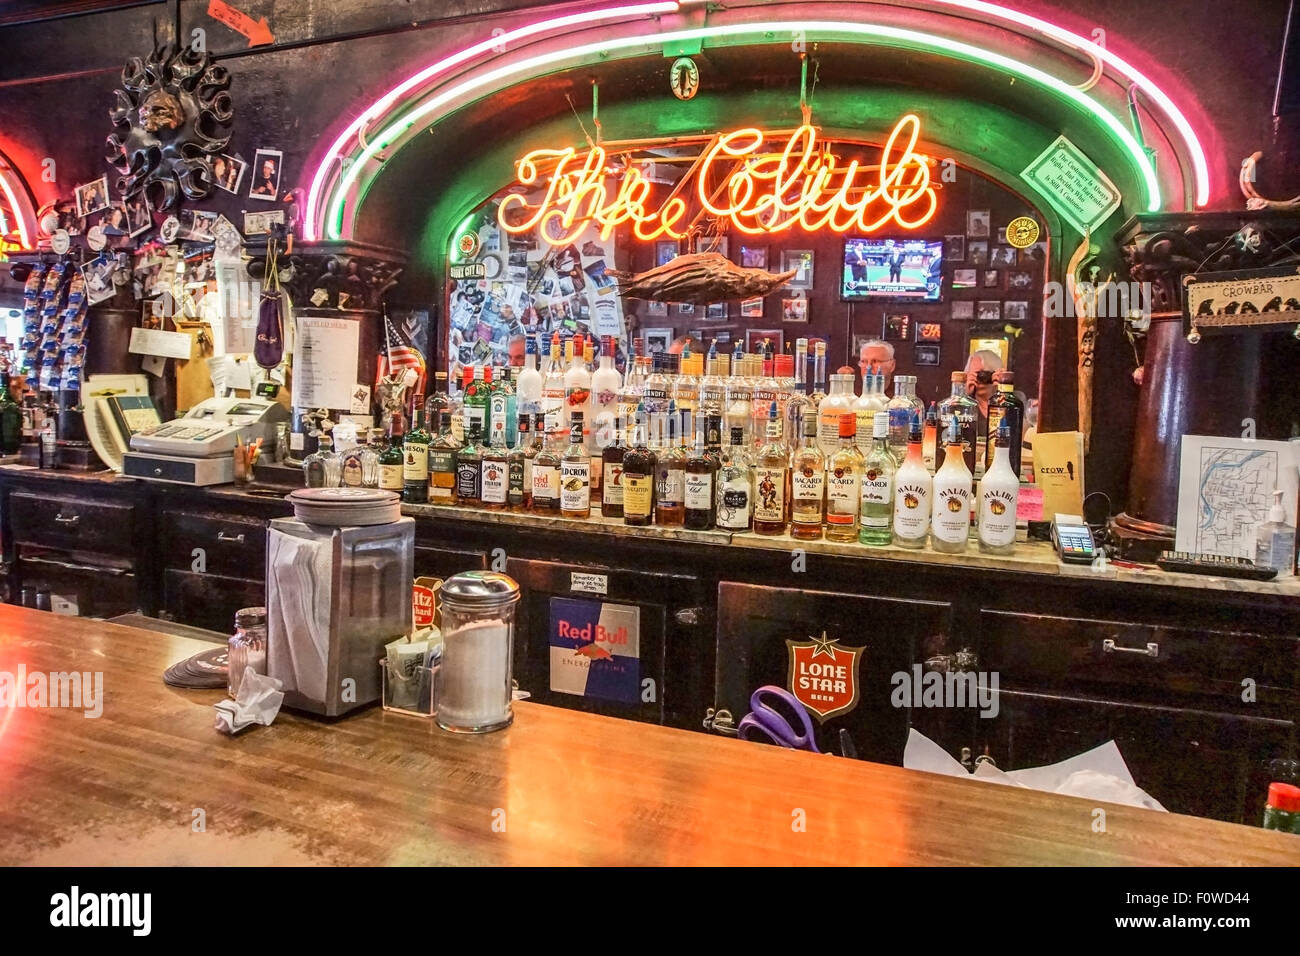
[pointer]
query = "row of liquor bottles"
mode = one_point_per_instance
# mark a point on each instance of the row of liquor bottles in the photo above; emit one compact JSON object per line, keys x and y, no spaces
{"x":668,"y":473}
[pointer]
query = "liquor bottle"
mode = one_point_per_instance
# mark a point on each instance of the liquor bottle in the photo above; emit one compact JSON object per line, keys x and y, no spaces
{"x":819,"y":374}
{"x":415,"y":458}
{"x":658,"y":390}
{"x":532,"y":447}
{"x":577,"y":388}
{"x":686,"y":390}
{"x":1005,"y":407}
{"x":639,"y":473}
{"x":360,"y":463}
{"x":701,"y":472}
{"x":871,"y":400}
{"x":370,"y":460}
{"x":712,"y":390}
{"x":740,"y":395}
{"x":518,"y":494}
{"x":528,"y":389}
{"x":950,"y":523}
{"x":469,"y":468}
{"x":438,"y":401}
{"x":799,"y":406}
{"x":50,"y":435}
{"x":930,"y":442}
{"x":546,"y":476}
{"x":999,"y":495}
{"x":765,"y":392}
{"x":844,"y":483}
{"x":11,"y":415}
{"x":575,"y":473}
{"x":966,"y":411}
{"x":392,"y":462}
{"x":735,"y":498}
{"x":553,"y":391}
{"x":323,"y":469}
{"x":442,"y":463}
{"x":901,"y":408}
{"x":494,"y":473}
{"x":630,"y":395}
{"x":605,"y":387}
{"x":475,"y":407}
{"x":771,"y":468}
{"x":839,"y":401}
{"x":912,"y":486}
{"x":611,"y":481}
{"x":670,"y":484}
{"x":876,"y":509}
{"x":503,"y":409}
{"x":458,"y":423}
{"x":807,"y":486}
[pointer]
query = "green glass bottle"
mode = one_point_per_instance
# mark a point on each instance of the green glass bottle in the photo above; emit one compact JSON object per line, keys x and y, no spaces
{"x":415,"y":473}
{"x":391,"y":459}
{"x":11,"y":416}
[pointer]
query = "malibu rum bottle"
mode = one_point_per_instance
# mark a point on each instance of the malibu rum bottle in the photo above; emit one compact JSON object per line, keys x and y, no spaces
{"x":878,"y":472}
{"x":807,"y":486}
{"x":844,"y":482}
{"x":639,"y":476}
{"x":999,"y":495}
{"x":770,"y":471}
{"x":575,"y":473}
{"x":912,"y":486}
{"x":415,"y":458}
{"x":950,"y":524}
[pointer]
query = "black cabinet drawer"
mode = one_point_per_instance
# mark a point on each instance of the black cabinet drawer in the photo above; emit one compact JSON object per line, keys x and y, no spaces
{"x":72,"y":524}
{"x":1032,"y":651}
{"x":439,"y":562}
{"x":209,"y":601}
{"x":231,"y":544}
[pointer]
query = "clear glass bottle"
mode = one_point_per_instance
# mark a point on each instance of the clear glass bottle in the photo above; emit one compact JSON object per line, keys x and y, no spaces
{"x":323,"y":469}
{"x":839,"y":401}
{"x":670,"y":482}
{"x":630,"y":395}
{"x":913,"y":485}
{"x":553,"y":391}
{"x":901,"y":408}
{"x":844,"y":483}
{"x":469,"y":468}
{"x":494,"y":473}
{"x":966,"y":411}
{"x":871,"y":400}
{"x":712,"y":390}
{"x":999,"y":496}
{"x":246,"y":649}
{"x":605,"y":385}
{"x":877,"y":500}
{"x":686,"y":390}
{"x":528,"y":387}
{"x":639,"y":475}
{"x":1275,"y":540}
{"x":818,"y":391}
{"x":575,"y":473}
{"x":503,"y":409}
{"x":546,"y":477}
{"x":657,"y":391}
{"x":735,"y":504}
{"x":807,"y":486}
{"x":766,"y":390}
{"x":771,"y":479}
{"x":740,"y":396}
{"x":577,"y":389}
{"x":950,"y":521}
{"x":360,"y":465}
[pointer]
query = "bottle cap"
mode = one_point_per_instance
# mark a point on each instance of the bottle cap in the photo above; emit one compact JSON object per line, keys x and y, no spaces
{"x":1277,"y":512}
{"x":785,"y":366}
{"x":956,"y":377}
{"x":1284,"y":796}
{"x":844,"y":370}
{"x":848,"y":425}
{"x":607,"y":345}
{"x":880,"y":425}
{"x":914,"y":427}
{"x":487,"y":374}
{"x":737,"y":434}
{"x":810,"y":426}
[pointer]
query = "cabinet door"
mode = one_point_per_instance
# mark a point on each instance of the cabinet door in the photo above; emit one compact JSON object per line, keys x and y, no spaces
{"x":232,"y":545}
{"x":209,"y":600}
{"x":1197,"y":762}
{"x":72,"y":524}
{"x":839,"y":654}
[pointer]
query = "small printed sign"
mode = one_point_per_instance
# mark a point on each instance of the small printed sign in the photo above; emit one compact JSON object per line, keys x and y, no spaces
{"x":824,"y":675}
{"x":588,"y":583}
{"x":462,"y":271}
{"x":1074,"y":185}
{"x":595,"y":649}
{"x":1023,"y":232}
{"x":1245,"y":298}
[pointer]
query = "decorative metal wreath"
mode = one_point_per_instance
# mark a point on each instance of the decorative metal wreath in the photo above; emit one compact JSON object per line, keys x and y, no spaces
{"x":173,"y":112}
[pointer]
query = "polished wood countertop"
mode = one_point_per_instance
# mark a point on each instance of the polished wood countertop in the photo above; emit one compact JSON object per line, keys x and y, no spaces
{"x":561,"y":787}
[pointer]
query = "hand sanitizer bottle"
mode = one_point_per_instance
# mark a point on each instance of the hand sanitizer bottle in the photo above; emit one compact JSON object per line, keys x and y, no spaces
{"x":1275,"y":540}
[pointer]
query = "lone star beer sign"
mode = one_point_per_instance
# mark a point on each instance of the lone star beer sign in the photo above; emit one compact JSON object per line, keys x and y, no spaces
{"x":824,"y":675}
{"x":758,"y":188}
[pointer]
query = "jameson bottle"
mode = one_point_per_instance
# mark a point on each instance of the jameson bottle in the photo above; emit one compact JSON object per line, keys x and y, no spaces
{"x":611,"y":486}
{"x":392,"y":463}
{"x":912,"y":486}
{"x":575,"y":473}
{"x":469,"y":473}
{"x":1005,"y":407}
{"x":950,"y":522}
{"x":415,"y":458}
{"x":878,"y":484}
{"x":639,"y":476}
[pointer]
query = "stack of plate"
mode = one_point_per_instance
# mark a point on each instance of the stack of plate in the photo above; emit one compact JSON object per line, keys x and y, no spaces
{"x":345,"y":507}
{"x":207,"y":669}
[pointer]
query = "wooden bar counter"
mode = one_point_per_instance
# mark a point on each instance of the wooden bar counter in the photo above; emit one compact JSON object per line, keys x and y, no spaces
{"x":562,"y":788}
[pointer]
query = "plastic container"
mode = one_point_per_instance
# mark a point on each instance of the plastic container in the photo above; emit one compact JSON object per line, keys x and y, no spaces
{"x":478,"y":633}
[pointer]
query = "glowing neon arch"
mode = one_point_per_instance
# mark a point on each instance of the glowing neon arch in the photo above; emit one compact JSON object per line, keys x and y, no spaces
{"x":19,"y":203}
{"x":342,"y":170}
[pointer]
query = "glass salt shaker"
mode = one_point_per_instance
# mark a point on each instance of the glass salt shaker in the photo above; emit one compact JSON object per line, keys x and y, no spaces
{"x":478,"y":630}
{"x":247,"y":647}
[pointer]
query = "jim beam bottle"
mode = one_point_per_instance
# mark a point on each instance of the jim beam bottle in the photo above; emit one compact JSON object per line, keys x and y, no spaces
{"x":999,"y":495}
{"x":771,"y":479}
{"x":639,"y":476}
{"x":575,"y":473}
{"x":807,"y":486}
{"x":950,"y":523}
{"x":494,"y":488}
{"x":912,"y":486}
{"x":844,"y":482}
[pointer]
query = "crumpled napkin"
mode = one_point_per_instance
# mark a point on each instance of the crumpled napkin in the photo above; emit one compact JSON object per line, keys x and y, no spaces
{"x":257,"y":702}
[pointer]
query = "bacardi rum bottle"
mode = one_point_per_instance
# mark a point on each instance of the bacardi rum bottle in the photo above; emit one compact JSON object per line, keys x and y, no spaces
{"x":771,"y":478}
{"x":999,"y":495}
{"x":878,"y":484}
{"x":575,"y":473}
{"x":844,"y":483}
{"x":950,"y":524}
{"x":807,"y":486}
{"x":912,"y":486}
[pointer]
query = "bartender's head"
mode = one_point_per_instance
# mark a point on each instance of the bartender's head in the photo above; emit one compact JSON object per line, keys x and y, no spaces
{"x":878,"y":355}
{"x":981,"y":376}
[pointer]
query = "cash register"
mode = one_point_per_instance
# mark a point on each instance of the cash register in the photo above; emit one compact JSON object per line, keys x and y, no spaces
{"x":196,"y":448}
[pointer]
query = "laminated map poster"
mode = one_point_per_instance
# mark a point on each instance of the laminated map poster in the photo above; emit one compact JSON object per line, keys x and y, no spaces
{"x":1225,"y":488}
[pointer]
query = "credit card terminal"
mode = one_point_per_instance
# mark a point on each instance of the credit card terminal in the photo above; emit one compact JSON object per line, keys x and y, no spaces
{"x":1072,"y":539}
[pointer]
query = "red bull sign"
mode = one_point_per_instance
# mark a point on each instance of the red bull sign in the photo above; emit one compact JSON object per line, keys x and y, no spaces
{"x":824,"y":675}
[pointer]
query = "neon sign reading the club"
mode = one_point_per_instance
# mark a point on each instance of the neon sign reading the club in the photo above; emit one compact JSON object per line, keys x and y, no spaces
{"x":758,"y":190}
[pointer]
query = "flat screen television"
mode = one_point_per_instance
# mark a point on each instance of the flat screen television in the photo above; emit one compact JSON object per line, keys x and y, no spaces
{"x":905,"y":269}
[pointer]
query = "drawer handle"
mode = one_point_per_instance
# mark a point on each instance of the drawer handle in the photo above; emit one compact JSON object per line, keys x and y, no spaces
{"x":69,"y":565}
{"x":232,"y":538}
{"x":1108,"y":646}
{"x":60,"y":518}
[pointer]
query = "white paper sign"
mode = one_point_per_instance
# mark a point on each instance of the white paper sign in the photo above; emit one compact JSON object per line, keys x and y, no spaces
{"x":1225,"y":488}
{"x":177,"y":345}
{"x":1074,"y":184}
{"x":325,"y":362}
{"x":589,"y":583}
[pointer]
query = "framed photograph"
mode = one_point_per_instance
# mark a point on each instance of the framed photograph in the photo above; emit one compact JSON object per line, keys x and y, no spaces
{"x":114,"y":222}
{"x":988,"y":311}
{"x":977,"y":223}
{"x":656,"y":308}
{"x":794,"y":310}
{"x":1017,"y":311}
{"x":92,"y":197}
{"x":196,"y":225}
{"x":978,"y":252}
{"x":897,"y":327}
{"x":929,"y":332}
{"x":665,"y":251}
{"x":801,"y":260}
{"x":716,"y":244}
{"x":716,"y":312}
{"x":1003,"y":256}
{"x":963,"y":310}
{"x":657,"y":340}
{"x":954,"y":248}
{"x":965,"y":278}
{"x":685,"y":308}
{"x":1000,"y":345}
{"x":265,"y":184}
{"x":992,"y":279}
{"x":139,"y":214}
{"x":753,"y":257}
{"x":756,"y":338}
{"x":925,"y":354}
{"x":228,"y":172}
{"x":751,"y":309}
{"x":1002,"y":235}
{"x":1031,"y":257}
{"x":98,"y":273}
{"x":1020,"y":280}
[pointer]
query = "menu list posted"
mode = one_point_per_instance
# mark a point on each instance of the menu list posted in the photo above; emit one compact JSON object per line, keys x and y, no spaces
{"x":325,"y":362}
{"x":1077,"y":187}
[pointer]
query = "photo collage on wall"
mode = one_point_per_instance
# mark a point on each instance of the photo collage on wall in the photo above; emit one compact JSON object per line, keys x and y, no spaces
{"x":526,"y":285}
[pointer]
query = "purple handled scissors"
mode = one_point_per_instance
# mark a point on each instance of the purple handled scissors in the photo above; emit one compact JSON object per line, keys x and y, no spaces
{"x":766,"y":724}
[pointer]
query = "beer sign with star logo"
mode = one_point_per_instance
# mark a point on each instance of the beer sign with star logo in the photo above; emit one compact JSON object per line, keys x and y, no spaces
{"x":824,"y":675}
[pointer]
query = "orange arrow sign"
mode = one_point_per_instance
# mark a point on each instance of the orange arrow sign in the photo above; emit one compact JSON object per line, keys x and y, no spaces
{"x":258,"y":33}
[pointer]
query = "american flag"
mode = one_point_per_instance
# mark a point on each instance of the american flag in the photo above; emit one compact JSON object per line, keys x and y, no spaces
{"x":399,"y":354}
